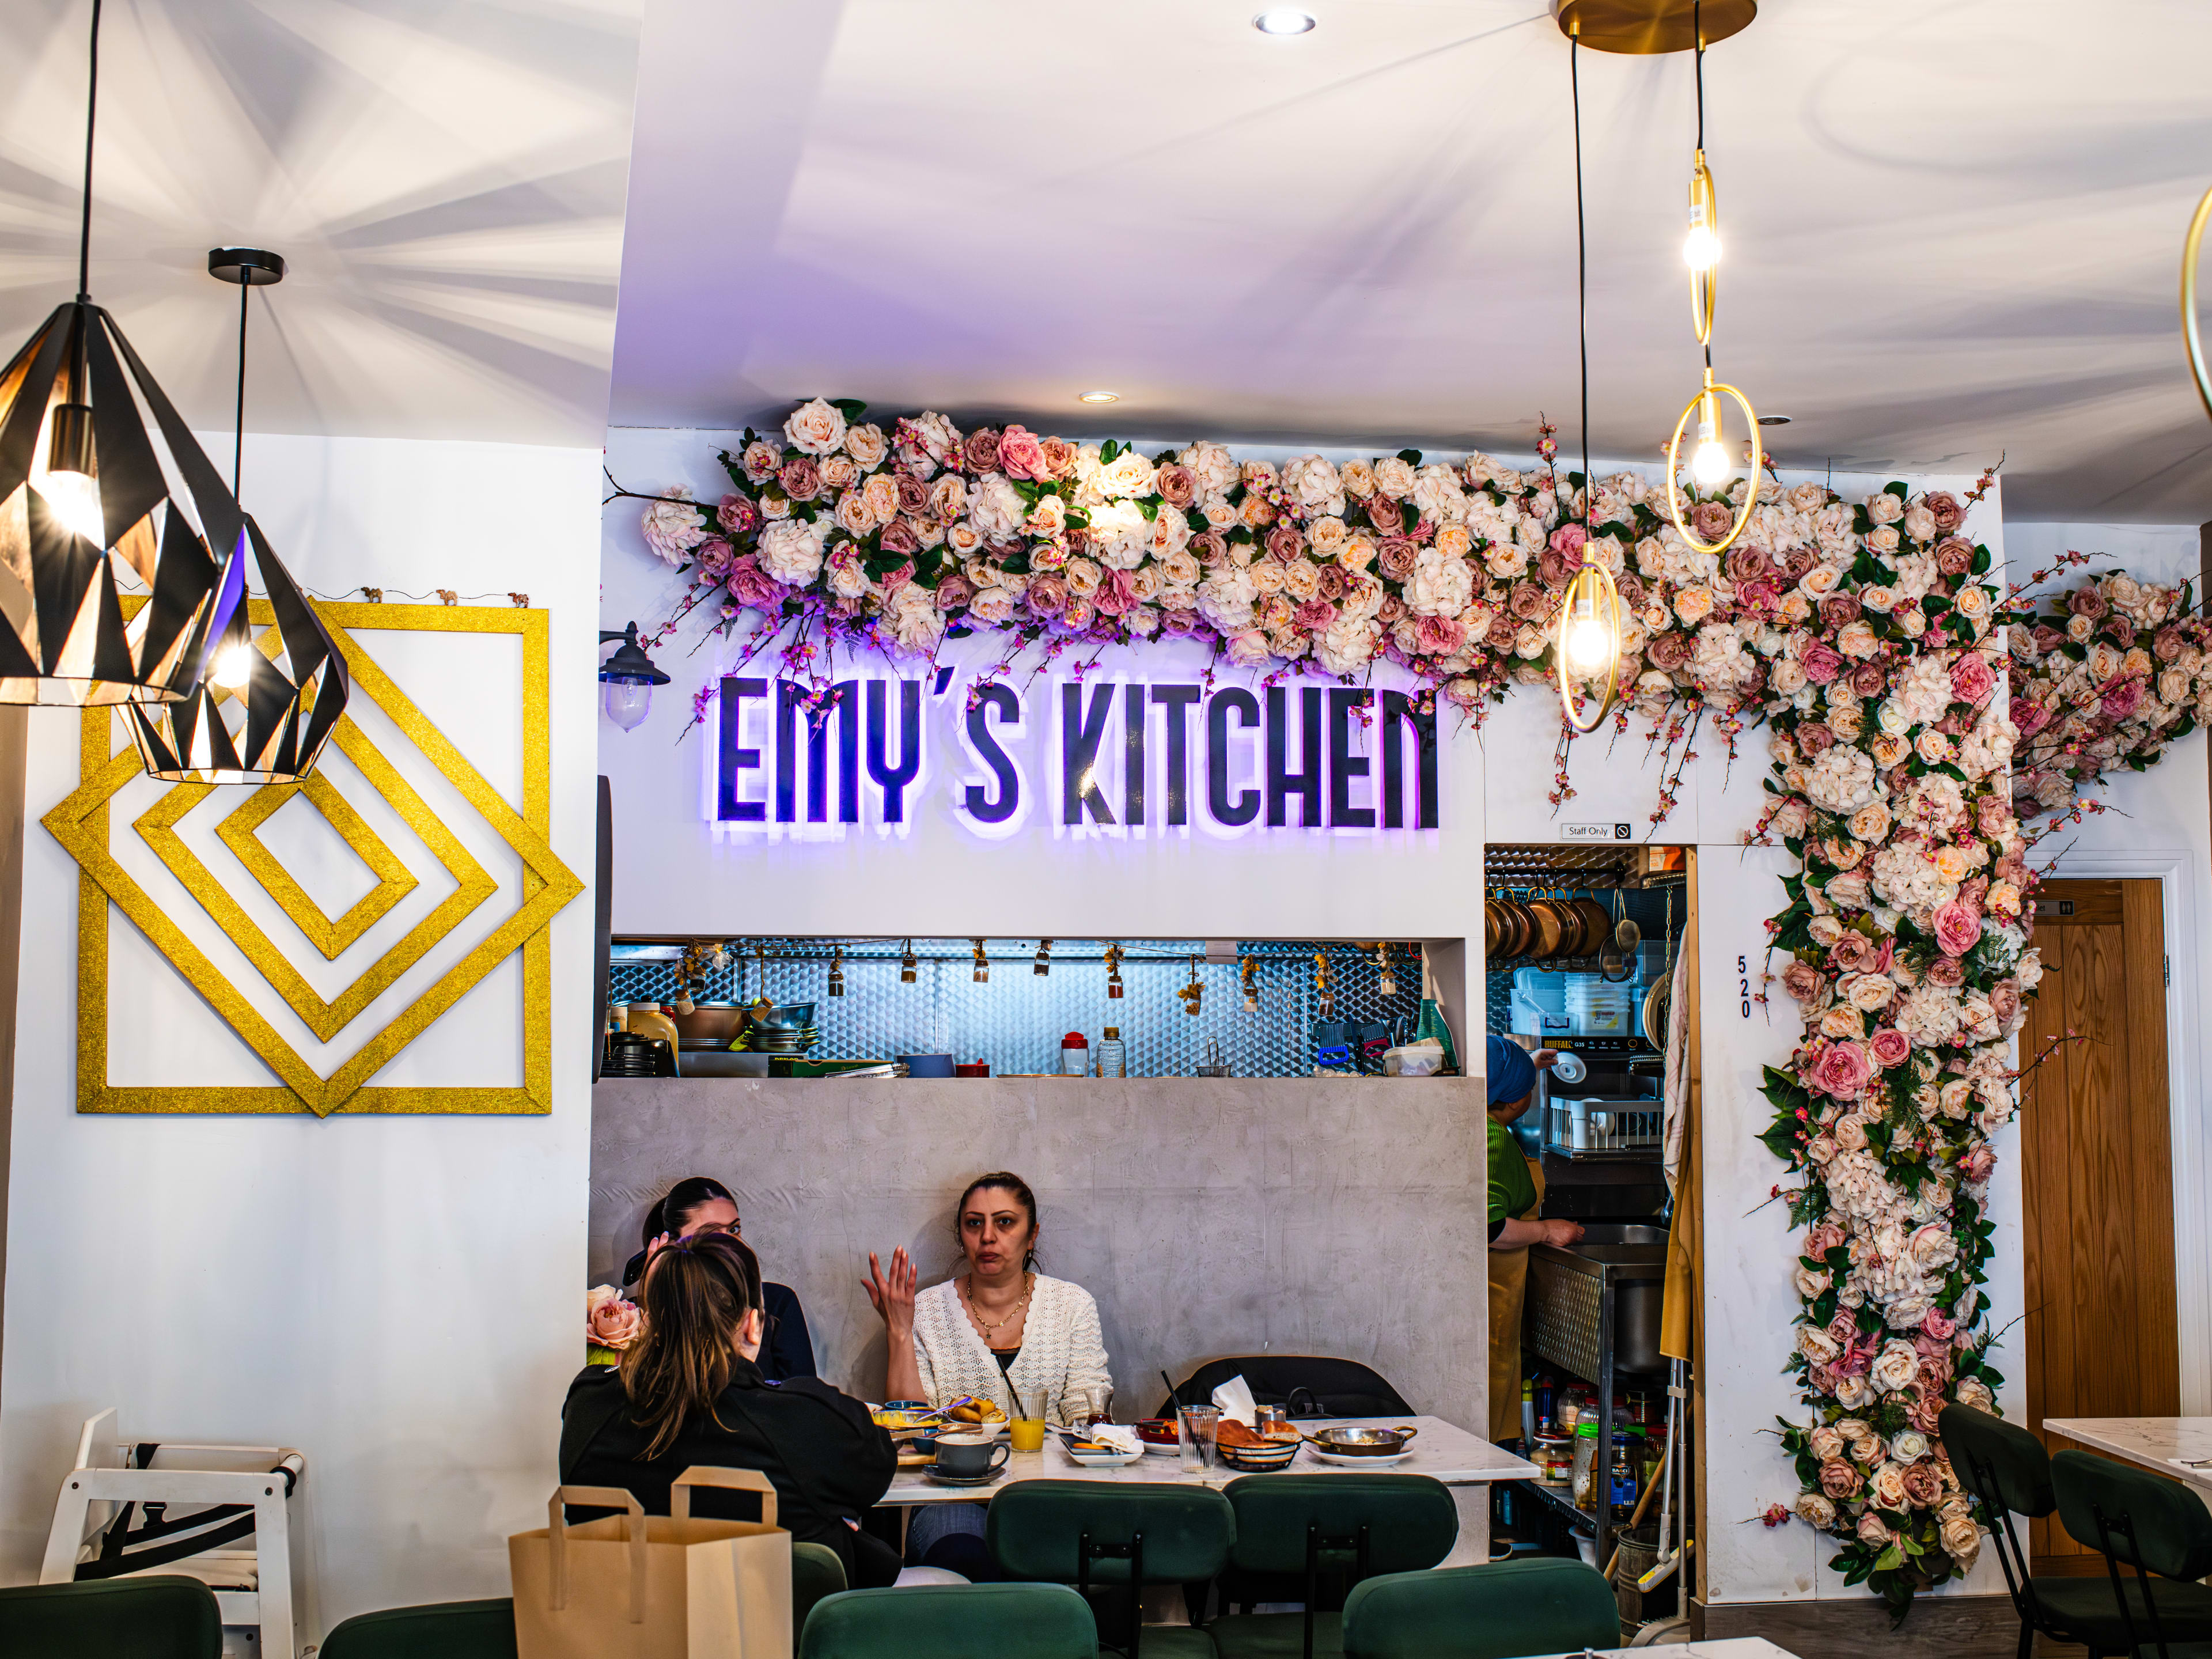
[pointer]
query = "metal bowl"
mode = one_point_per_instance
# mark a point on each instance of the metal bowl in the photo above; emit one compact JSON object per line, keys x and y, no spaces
{"x":1348,"y":1441}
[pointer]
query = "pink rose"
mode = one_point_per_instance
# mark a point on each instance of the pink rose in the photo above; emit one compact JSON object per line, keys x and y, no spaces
{"x":1978,"y":1163}
{"x":1822,"y":1238}
{"x":1181,"y":621}
{"x":898,"y":536}
{"x":1116,"y":595}
{"x":1021,"y":455}
{"x":613,"y":1324}
{"x":1567,"y":542}
{"x":1047,"y":596}
{"x":1058,"y":458}
{"x":1711,"y":519}
{"x":1395,"y":555}
{"x":2030,"y":717}
{"x":1318,"y":616}
{"x":1841,"y":1071}
{"x":1528,"y":603}
{"x":1177,"y":484}
{"x":1923,"y":1485}
{"x":1438,"y":637}
{"x":1796,"y":562}
{"x":1209,"y":548}
{"x":912,"y":493}
{"x":1873,"y":1530}
{"x":1972,"y":679}
{"x":1947,"y":971}
{"x":761,"y":459}
{"x":1851,"y":954}
{"x":1285,"y":544}
{"x":1890,"y":1047}
{"x":713,"y":556}
{"x":2168,"y":644}
{"x":1954,"y":557}
{"x":1668,"y":651}
{"x":1329,"y":585}
{"x":1937,"y":1323}
{"x":1957,"y":928}
{"x":1552,"y":567}
{"x":1815,"y":739}
{"x":1839,"y":610}
{"x":1840,"y":1479}
{"x":980,"y":452}
{"x":1869,"y":679}
{"x":1387,"y":515}
{"x":2087,"y":601}
{"x":1392,"y":611}
{"x":1801,"y":980}
{"x":1747,"y":564}
{"x":801,"y":479}
{"x":751,"y":585}
{"x":738,"y":516}
{"x":2123,"y":698}
{"x":1943,"y":506}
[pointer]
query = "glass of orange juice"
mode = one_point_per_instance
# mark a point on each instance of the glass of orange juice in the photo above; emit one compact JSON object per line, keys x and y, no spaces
{"x":1025,"y":1430}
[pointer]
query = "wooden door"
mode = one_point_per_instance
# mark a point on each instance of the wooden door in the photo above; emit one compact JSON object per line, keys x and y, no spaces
{"x":2101,"y":1337}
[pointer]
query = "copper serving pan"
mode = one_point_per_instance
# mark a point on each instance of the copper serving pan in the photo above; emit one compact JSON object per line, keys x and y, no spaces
{"x":1349,"y":1442}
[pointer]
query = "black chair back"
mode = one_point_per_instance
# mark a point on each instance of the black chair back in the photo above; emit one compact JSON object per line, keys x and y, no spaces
{"x":2157,"y":1526}
{"x":1310,"y":1385}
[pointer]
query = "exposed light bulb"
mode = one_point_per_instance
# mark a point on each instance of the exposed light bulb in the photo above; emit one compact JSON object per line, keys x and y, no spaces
{"x":1590,"y":645}
{"x":626,"y":701}
{"x":1100,"y":398}
{"x":75,"y":499}
{"x":234,"y":667}
{"x":1709,"y":463}
{"x":1701,"y":248}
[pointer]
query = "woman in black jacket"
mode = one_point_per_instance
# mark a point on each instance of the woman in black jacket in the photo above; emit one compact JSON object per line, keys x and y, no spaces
{"x":689,"y":1391}
{"x":701,"y":1204}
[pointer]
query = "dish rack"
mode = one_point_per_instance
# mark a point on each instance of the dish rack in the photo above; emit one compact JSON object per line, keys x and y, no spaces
{"x":1604,"y":1126}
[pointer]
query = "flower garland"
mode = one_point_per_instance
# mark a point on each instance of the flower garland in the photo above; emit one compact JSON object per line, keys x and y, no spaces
{"x":1862,"y":632}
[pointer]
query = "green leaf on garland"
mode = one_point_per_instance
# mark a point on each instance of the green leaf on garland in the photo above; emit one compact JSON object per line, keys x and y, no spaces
{"x":1411,"y":457}
{"x":851,"y":407}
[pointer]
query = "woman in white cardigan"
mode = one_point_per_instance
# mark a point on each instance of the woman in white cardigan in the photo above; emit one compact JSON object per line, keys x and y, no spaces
{"x":1000,"y":1327}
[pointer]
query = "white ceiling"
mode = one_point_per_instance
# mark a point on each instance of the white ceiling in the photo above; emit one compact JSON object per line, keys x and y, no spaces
{"x":445,"y":177}
{"x":1953,"y":226}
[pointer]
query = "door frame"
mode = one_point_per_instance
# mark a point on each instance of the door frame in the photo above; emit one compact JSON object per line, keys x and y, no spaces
{"x":2176,"y":874}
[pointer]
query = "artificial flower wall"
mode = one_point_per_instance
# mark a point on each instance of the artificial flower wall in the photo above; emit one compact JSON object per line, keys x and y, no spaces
{"x":1865,"y":633}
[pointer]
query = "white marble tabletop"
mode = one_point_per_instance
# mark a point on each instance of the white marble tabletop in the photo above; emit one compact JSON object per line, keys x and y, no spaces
{"x":1449,"y":1453}
{"x":2153,"y":1441}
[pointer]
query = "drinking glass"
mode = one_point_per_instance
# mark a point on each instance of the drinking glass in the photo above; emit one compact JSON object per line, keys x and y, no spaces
{"x":1270,"y":1421}
{"x":1025,"y":1431}
{"x":1194,"y":1435}
{"x":1097,"y":1406}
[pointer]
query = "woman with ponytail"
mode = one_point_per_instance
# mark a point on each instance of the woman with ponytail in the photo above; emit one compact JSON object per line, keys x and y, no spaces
{"x":689,"y":1391}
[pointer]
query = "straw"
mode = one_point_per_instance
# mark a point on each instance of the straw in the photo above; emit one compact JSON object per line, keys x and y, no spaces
{"x":1174,"y":1401}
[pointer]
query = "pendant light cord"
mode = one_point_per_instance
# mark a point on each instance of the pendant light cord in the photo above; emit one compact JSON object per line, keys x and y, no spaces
{"x":1582,"y":264}
{"x":238,"y":438}
{"x":91,"y":114}
{"x":1698,"y":44}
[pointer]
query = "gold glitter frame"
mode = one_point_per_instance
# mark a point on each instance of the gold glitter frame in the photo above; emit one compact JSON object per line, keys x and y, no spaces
{"x":81,"y":824}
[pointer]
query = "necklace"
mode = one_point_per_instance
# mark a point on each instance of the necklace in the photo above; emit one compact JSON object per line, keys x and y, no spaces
{"x":1029,"y":1284}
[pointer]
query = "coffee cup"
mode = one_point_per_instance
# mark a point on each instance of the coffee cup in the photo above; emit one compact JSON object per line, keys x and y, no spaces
{"x":966,"y":1455}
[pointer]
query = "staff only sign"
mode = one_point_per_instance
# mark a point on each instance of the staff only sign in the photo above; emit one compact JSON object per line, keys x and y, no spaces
{"x":1097,"y":756}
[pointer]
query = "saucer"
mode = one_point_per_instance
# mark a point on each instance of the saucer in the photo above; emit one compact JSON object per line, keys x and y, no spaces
{"x":1345,"y":1462}
{"x":945,"y":1479}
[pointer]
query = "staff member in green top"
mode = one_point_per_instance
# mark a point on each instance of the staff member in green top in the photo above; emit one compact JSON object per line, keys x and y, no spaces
{"x":1517,"y":1192}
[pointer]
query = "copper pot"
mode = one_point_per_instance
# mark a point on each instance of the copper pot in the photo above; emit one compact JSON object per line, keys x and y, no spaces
{"x":720,"y":1022}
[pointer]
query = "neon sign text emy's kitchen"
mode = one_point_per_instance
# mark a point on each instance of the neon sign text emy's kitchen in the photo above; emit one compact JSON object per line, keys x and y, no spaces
{"x":1118,"y":756}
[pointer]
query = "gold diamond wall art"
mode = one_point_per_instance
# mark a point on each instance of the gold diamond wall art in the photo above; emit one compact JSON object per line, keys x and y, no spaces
{"x":85,"y":822}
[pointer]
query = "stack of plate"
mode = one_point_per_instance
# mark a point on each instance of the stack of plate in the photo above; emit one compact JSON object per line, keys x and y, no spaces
{"x":782,"y":1039}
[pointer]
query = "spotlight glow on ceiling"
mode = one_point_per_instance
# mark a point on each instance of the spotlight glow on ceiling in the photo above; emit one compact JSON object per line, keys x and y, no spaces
{"x":1100,"y":398}
{"x":1283,"y":20}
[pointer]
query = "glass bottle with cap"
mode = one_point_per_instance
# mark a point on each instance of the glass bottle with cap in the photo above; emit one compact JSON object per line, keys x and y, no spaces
{"x":1112,"y":1057}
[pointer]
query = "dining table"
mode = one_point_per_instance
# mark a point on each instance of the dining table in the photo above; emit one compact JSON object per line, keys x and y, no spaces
{"x":1463,"y":1461}
{"x":1729,"y":1647}
{"x":2179,"y":1448}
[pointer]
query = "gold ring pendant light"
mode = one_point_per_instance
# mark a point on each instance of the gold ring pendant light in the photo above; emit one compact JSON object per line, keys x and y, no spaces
{"x":1589,"y":623}
{"x":2189,"y":338}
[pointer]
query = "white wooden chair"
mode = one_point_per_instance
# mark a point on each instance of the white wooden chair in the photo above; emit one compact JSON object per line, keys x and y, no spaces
{"x":245,"y":1509}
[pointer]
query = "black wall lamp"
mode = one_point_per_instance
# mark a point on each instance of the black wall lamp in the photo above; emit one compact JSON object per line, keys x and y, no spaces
{"x":629,"y":676}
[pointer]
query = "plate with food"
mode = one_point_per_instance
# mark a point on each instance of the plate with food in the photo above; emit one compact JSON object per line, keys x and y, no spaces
{"x":1103,"y":1446}
{"x":1158,"y":1436}
{"x":978,"y":1413}
{"x":1360,"y":1447}
{"x":1247,"y":1449}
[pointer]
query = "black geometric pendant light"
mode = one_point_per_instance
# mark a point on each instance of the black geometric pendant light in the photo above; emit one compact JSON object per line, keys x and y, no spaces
{"x":101,"y":480}
{"x":254,"y":718}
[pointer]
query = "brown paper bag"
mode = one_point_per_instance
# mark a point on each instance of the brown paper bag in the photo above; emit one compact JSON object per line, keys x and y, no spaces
{"x":635,"y":1586}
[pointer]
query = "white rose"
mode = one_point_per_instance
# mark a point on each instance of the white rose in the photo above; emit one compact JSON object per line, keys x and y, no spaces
{"x":790,"y":550}
{"x":1919,"y":522}
{"x":673,"y":528}
{"x":1885,"y":509}
{"x":816,"y":427}
{"x":1896,"y":1367}
{"x":1130,"y":474}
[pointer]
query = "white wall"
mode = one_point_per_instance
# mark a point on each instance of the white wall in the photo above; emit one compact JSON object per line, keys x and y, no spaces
{"x":2159,"y":826}
{"x":395,"y":1295}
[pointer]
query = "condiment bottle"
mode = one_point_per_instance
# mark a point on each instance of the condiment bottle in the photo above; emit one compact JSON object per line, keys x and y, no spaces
{"x":1075,"y":1055}
{"x":646,"y":1020}
{"x":1113,"y":1058}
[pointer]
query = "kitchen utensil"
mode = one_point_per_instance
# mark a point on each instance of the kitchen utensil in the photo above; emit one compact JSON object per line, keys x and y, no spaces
{"x":1626,"y":934}
{"x":710,"y":1021}
{"x":1344,"y":1440}
{"x":1652,"y":1020}
{"x":1551,"y":926}
{"x":926,"y":1065}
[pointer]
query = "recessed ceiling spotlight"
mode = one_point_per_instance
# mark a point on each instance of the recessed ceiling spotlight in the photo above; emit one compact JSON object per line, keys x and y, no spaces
{"x":1100,"y":398}
{"x":1774,"y":420}
{"x":1283,"y":20}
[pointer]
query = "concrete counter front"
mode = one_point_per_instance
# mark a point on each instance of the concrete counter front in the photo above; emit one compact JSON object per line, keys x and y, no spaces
{"x":1209,"y":1217}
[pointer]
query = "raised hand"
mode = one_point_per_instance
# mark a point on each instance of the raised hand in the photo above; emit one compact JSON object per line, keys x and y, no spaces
{"x":892,"y":1292}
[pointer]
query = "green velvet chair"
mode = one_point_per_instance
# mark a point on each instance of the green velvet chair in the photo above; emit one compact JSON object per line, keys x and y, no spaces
{"x":2007,"y":1468}
{"x":1294,"y":1530}
{"x":816,"y":1575}
{"x":439,"y":1630}
{"x":2160,"y":1529}
{"x":952,"y":1621}
{"x":1086,"y":1532}
{"x":1497,"y":1612}
{"x":163,"y":1616}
